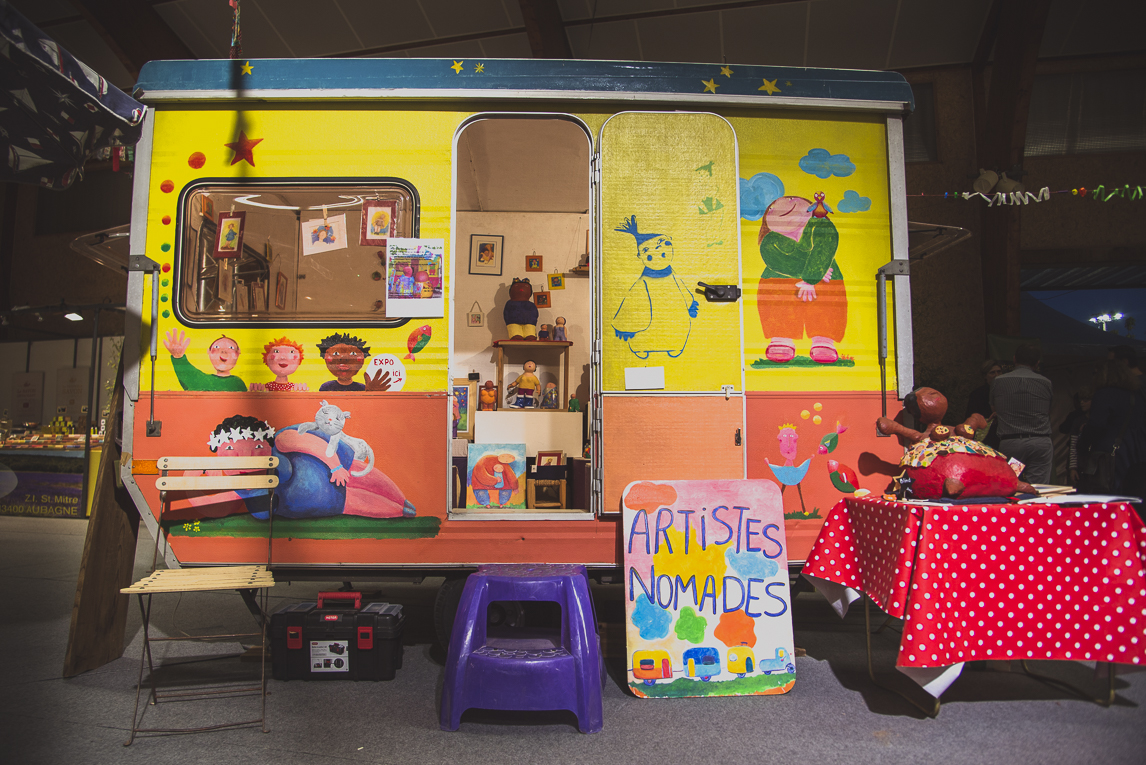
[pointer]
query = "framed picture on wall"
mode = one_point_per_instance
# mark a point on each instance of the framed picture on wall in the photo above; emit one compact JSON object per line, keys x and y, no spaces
{"x":465,"y":396}
{"x":377,"y":222}
{"x":541,"y":300}
{"x":281,"y":291}
{"x":556,"y":281}
{"x":550,"y":459}
{"x":486,"y":252}
{"x":533,"y":263}
{"x":229,"y":235}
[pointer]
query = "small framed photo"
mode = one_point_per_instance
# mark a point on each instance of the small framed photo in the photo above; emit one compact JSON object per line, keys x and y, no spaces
{"x":258,"y":296}
{"x":281,"y":284}
{"x":377,"y":222}
{"x":486,"y":251}
{"x":550,"y":459}
{"x":465,"y":396}
{"x":533,"y":263}
{"x":207,"y":207}
{"x":475,"y":319}
{"x":541,"y":300}
{"x":555,"y":281}
{"x":229,"y":235}
{"x":324,"y":234}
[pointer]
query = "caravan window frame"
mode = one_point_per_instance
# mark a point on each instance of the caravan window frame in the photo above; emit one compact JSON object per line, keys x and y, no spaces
{"x":358,"y":185}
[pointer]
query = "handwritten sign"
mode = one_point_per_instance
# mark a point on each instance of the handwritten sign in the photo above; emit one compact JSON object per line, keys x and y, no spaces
{"x":707,"y":605}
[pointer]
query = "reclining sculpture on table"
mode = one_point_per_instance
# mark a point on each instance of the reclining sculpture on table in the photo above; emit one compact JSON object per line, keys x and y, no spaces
{"x":946,"y":461}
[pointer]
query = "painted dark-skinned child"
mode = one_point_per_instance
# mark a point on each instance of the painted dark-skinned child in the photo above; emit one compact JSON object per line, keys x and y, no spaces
{"x":344,"y":356}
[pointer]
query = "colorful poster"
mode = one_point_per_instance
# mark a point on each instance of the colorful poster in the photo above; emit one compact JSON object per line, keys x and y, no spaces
{"x":324,"y":234}
{"x":707,"y":604}
{"x":414,"y":277}
{"x":27,"y":397}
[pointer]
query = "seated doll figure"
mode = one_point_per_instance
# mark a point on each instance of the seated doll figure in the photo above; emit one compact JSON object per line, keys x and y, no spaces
{"x":525,"y":387}
{"x":520,"y":314}
{"x":223,"y":354}
{"x":283,"y":357}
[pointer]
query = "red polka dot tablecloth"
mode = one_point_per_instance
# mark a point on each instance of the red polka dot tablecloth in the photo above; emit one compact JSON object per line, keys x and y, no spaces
{"x":974,"y":582}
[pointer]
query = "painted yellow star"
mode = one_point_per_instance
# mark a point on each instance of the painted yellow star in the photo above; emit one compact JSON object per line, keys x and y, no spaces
{"x":727,"y":72}
{"x":710,"y":86}
{"x":247,"y":68}
{"x":457,"y":67}
{"x":770,"y":86}
{"x":479,"y":68}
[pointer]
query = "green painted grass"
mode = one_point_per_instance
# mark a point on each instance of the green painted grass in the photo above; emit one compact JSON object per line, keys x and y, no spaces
{"x":737,"y":686}
{"x":802,"y":361}
{"x":334,"y":527}
{"x":800,"y":515}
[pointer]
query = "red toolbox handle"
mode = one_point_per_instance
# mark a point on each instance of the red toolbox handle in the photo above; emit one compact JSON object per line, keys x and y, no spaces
{"x":355,"y":596}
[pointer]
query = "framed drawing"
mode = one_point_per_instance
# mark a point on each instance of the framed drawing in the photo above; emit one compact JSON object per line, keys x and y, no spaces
{"x":556,"y":281}
{"x":324,"y":234}
{"x":465,"y":397}
{"x":533,"y":263}
{"x":475,"y":319}
{"x":495,"y":476}
{"x":377,"y":222}
{"x":229,"y":235}
{"x":550,"y":459}
{"x":541,"y":300}
{"x":486,"y":254}
{"x":281,"y":284}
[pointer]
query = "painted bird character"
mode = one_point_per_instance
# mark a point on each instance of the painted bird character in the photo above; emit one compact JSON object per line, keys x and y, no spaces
{"x":418,"y":340}
{"x":819,"y":209}
{"x":843,"y":477}
{"x":656,"y":315}
{"x":790,"y":474}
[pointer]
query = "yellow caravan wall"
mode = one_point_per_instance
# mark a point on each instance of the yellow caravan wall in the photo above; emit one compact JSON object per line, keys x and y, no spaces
{"x":857,"y":171}
{"x":414,"y":146}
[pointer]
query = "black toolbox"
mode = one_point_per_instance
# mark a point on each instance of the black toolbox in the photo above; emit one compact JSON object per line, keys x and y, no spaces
{"x":336,"y":638}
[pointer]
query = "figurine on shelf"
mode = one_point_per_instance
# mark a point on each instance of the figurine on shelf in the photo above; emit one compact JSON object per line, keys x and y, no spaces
{"x":947,"y":461}
{"x":520,"y":313}
{"x":549,"y":397}
{"x":574,"y":404}
{"x":525,"y":387}
{"x":543,"y":332}
{"x":487,"y":397}
{"x":559,"y":330}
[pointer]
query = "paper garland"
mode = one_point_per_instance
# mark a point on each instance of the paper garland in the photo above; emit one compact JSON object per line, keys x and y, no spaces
{"x":1099,"y":193}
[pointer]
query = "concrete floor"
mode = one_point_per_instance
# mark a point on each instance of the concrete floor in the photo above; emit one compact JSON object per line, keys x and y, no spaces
{"x":833,"y":715}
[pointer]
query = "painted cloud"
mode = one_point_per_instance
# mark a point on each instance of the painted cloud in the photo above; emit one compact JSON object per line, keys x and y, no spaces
{"x":823,"y":164}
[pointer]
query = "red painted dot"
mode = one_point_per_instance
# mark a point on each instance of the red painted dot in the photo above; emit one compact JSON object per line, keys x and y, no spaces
{"x":167,"y":187}
{"x":166,"y":220}
{"x":196,"y":160}
{"x":166,"y":267}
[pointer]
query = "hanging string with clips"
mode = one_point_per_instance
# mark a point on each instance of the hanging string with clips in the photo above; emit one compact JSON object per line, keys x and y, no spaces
{"x":1100,"y":193}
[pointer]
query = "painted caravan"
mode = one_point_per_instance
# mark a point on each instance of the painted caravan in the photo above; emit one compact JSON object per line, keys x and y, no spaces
{"x":466,"y":303}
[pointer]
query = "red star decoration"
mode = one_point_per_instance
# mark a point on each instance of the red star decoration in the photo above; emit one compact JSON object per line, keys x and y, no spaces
{"x":244,"y":149}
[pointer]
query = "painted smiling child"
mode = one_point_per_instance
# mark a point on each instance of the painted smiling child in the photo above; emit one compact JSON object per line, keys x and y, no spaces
{"x":344,"y":356}
{"x":282,"y":357}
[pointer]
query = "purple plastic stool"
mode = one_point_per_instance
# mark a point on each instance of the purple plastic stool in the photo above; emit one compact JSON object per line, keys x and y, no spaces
{"x":525,"y":673}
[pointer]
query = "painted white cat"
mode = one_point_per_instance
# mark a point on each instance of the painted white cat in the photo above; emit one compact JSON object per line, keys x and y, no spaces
{"x":330,"y":420}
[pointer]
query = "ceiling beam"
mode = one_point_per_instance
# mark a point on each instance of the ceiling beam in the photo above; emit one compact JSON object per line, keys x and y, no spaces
{"x":1018,"y":37}
{"x":545,"y":29}
{"x":134,"y":31}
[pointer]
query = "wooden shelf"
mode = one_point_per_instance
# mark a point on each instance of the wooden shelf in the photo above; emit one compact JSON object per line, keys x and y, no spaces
{"x":562,"y":346}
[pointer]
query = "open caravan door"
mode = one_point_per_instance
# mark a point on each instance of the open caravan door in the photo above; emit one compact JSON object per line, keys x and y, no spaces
{"x":670,"y":376}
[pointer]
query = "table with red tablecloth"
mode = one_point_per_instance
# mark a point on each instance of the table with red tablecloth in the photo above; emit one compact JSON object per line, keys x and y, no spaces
{"x":987,"y":581}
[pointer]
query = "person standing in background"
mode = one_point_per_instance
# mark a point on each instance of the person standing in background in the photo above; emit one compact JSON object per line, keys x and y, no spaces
{"x":1021,"y":401}
{"x":1072,"y":427}
{"x":979,"y":401}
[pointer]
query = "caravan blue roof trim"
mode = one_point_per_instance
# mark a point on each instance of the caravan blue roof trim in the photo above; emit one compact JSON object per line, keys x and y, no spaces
{"x":520,"y":75}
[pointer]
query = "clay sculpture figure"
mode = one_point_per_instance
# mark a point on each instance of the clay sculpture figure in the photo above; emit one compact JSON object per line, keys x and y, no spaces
{"x":520,"y":313}
{"x":525,"y":388}
{"x":487,"y":397}
{"x":946,"y":461}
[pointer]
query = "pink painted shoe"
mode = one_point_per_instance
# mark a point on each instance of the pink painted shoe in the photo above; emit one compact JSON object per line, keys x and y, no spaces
{"x":780,"y":350}
{"x":823,"y":350}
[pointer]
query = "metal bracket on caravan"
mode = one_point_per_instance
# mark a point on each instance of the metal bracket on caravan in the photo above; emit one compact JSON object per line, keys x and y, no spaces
{"x":893,"y":268}
{"x":148,"y":266}
{"x":720,"y":293}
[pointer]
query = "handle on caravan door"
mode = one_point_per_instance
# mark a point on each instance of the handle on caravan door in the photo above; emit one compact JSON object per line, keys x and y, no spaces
{"x":720,"y":293}
{"x":893,"y":268}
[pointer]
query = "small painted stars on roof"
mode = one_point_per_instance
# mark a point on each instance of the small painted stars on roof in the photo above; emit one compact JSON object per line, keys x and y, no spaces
{"x":479,"y":68}
{"x":710,"y":86}
{"x":247,"y":69}
{"x":726,"y":71}
{"x":244,"y":149}
{"x":457,"y":67}
{"x":769,"y":86}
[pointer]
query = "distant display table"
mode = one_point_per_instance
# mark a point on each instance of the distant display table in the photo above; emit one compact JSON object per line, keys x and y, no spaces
{"x":1004,"y":582}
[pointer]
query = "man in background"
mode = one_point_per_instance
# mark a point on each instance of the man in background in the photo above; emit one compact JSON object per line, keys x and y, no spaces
{"x":1022,"y":402}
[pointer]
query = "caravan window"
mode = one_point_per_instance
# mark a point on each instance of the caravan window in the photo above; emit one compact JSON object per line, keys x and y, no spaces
{"x":290,"y":253}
